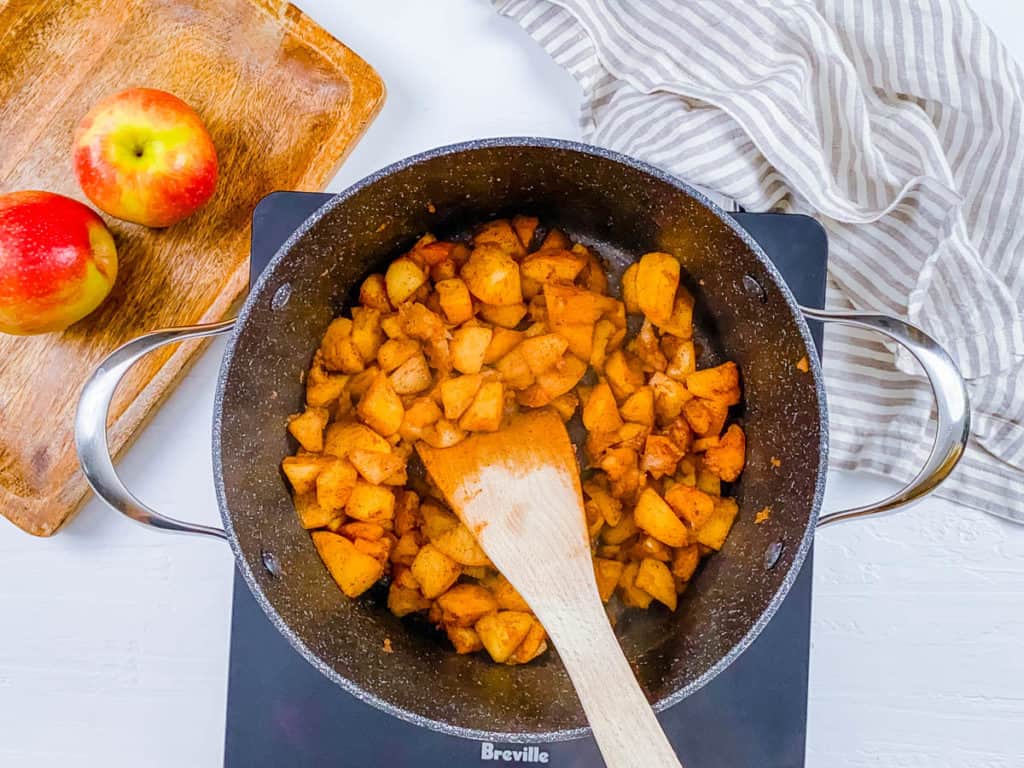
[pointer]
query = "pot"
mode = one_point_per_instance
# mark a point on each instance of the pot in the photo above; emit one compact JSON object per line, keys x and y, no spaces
{"x":622,"y":208}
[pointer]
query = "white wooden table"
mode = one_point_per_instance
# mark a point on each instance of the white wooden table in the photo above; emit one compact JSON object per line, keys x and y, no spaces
{"x":114,"y":639}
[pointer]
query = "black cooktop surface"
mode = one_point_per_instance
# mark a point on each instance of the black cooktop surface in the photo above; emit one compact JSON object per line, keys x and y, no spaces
{"x":283,"y":712}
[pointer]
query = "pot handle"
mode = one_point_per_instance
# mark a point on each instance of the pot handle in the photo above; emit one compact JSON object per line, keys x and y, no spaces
{"x":91,"y":427}
{"x":952,"y":407}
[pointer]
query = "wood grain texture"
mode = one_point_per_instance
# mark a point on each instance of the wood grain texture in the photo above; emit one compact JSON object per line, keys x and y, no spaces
{"x":284,"y":102}
{"x":519,"y":491}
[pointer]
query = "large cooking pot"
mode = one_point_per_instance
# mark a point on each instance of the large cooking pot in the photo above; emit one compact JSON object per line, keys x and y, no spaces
{"x":623,"y":208}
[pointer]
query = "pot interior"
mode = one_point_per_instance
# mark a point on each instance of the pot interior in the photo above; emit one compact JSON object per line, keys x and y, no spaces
{"x":621,"y":209}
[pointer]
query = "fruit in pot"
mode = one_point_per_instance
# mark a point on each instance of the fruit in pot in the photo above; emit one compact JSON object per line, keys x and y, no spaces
{"x":58,"y":262}
{"x":144,"y":155}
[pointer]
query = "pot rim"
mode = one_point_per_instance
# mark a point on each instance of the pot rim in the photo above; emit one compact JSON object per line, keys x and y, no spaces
{"x":256,"y":294}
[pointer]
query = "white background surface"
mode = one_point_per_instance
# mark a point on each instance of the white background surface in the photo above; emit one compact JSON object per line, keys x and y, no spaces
{"x":114,"y":639}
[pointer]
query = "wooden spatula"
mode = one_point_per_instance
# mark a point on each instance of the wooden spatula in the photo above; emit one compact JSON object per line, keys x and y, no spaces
{"x":518,"y":490}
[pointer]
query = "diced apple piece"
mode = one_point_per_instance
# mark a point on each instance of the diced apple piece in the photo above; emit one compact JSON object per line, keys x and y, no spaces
{"x":632,"y":595}
{"x":657,"y":278}
{"x":412,"y":376}
{"x":555,"y":239}
{"x":358,"y":384}
{"x":381,"y":407}
{"x":344,"y":436}
{"x":403,"y":278}
{"x":302,"y":471}
{"x":499,"y":234}
{"x":311,"y":514}
{"x":502,"y":632}
{"x":374,"y":293}
{"x":504,"y":316}
{"x":607,"y":574}
{"x":402,"y":601}
{"x":629,"y":290}
{"x":394,"y":352}
{"x":568,"y":305}
{"x":419,"y":322}
{"x":624,"y":374}
{"x":514,"y":370}
{"x":354,"y":571}
{"x":323,"y":387}
{"x":464,"y":639}
{"x":465,"y":604}
{"x":600,"y":342}
{"x":372,"y":503}
{"x":420,"y":414}
{"x":681,"y":356}
{"x":542,"y":352}
{"x":607,"y":505}
{"x":461,"y":546}
{"x":708,"y":482}
{"x":533,"y":645}
{"x":308,"y":428}
{"x":525,"y":227}
{"x":492,"y":275}
{"x":561,"y":378}
{"x":553,"y":266}
{"x":680,"y":322}
{"x":468,"y":348}
{"x":691,"y":504}
{"x":713,"y":532}
{"x":579,"y":337}
{"x":660,"y":457}
{"x":374,"y":466}
{"x":655,"y":516}
{"x":705,"y":417}
{"x":337,"y":349}
{"x":721,"y":383}
{"x":434,"y":571}
{"x":600,"y":411}
{"x":444,"y":433}
{"x":405,"y":549}
{"x":623,"y":531}
{"x":334,"y":485}
{"x":502,"y":342}
{"x":458,"y":393}
{"x":639,"y":407}
{"x":669,"y":397}
{"x":378,"y":549}
{"x":366,"y":331}
{"x":437,"y":520}
{"x":456,"y":303}
{"x":566,"y":405}
{"x":485,"y":412}
{"x":685,"y":561}
{"x":654,"y":578}
{"x":362,"y":530}
{"x":726,"y":459}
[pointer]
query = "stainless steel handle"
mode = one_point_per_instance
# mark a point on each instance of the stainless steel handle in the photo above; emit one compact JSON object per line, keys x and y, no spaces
{"x":91,"y":427}
{"x":952,"y":407}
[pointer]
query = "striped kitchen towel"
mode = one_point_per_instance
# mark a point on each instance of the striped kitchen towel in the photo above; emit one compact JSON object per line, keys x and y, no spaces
{"x":897,"y":124}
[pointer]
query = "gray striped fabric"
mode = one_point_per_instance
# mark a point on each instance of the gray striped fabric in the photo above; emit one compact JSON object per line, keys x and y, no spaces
{"x":897,"y":124}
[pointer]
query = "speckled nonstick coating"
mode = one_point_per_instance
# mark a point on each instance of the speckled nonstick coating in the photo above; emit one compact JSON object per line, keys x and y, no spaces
{"x":623,"y":208}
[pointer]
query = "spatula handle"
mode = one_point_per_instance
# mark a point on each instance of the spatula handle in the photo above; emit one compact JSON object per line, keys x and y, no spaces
{"x":625,"y":727}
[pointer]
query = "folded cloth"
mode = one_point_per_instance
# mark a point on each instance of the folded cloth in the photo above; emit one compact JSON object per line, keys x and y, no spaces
{"x":895,"y":123}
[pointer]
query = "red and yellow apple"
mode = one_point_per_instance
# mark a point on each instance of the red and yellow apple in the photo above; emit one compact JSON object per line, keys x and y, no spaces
{"x":58,"y":262}
{"x":144,"y":155}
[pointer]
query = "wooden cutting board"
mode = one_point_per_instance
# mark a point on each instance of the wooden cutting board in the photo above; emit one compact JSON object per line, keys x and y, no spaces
{"x":284,"y":102}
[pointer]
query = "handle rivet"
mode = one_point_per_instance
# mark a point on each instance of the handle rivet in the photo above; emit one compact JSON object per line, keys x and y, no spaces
{"x":270,"y":563}
{"x":753,"y":287}
{"x":772,"y":554}
{"x":281,"y":296}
